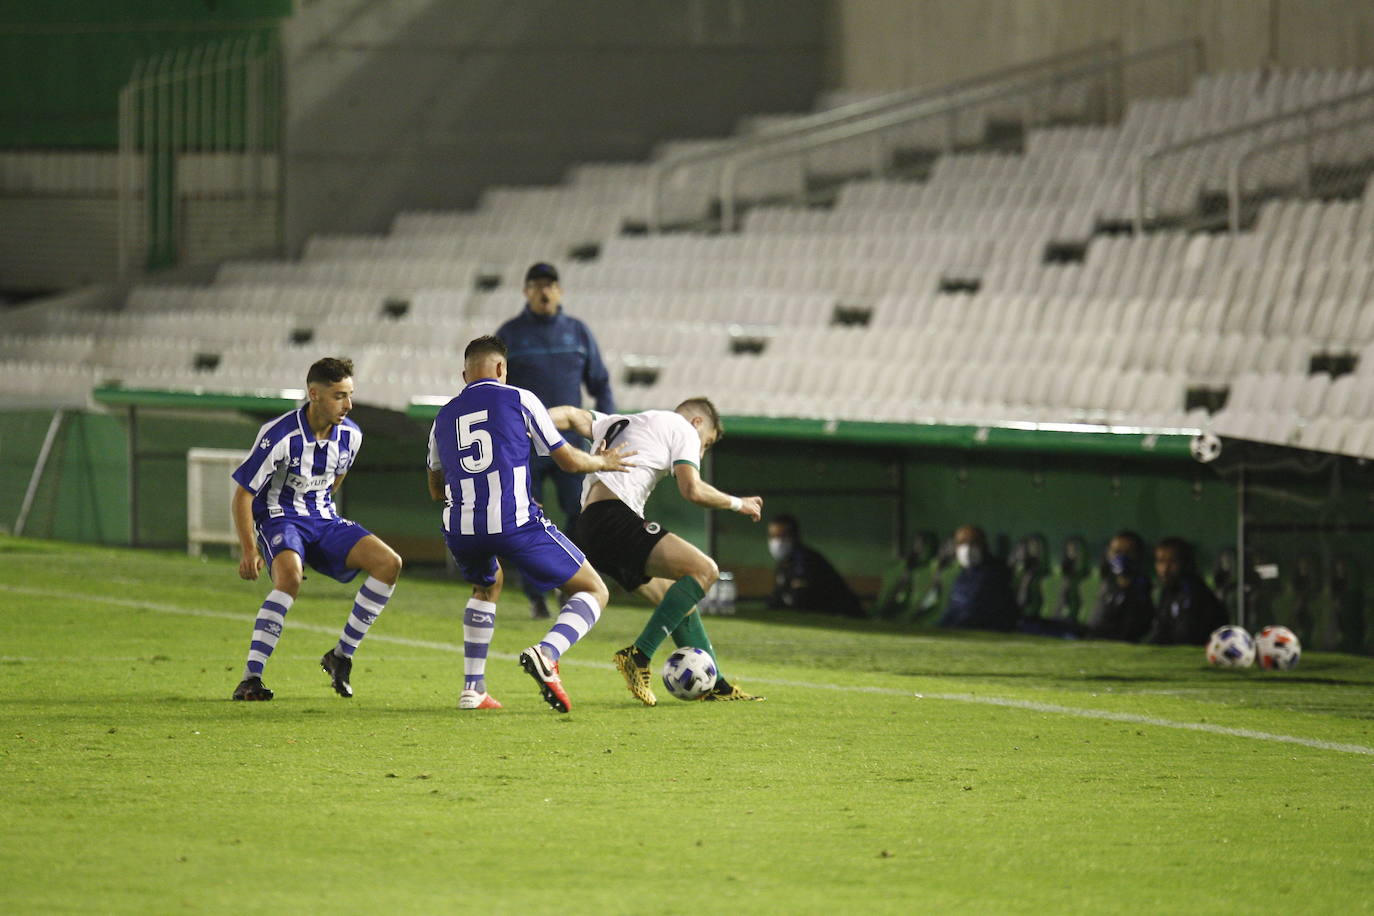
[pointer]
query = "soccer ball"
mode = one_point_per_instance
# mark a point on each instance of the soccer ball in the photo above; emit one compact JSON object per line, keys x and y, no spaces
{"x":1205,"y":447}
{"x":689,"y":673}
{"x":1231,"y":647}
{"x":1278,"y":648}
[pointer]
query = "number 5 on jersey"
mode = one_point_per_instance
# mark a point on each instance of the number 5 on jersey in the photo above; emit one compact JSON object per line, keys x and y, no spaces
{"x":479,"y":439}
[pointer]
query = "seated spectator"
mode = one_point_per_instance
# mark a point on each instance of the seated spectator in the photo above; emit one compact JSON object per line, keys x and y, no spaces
{"x":981,"y":597}
{"x":1187,"y":611}
{"x":1124,"y":608}
{"x":804,"y":580}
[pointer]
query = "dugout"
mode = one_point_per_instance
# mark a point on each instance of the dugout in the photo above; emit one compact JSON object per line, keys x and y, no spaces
{"x":118,"y":475}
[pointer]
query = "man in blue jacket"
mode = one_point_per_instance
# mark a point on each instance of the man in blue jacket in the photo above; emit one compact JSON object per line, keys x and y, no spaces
{"x":554,"y":355}
{"x":981,"y":597}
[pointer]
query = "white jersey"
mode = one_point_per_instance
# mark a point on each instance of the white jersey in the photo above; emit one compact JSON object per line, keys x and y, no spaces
{"x":663,"y":439}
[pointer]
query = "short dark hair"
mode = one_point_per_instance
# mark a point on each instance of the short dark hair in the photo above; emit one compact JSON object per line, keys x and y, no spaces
{"x":702,"y":407}
{"x":789,"y":521}
{"x":1137,"y":542}
{"x":329,"y":371}
{"x":1182,"y":549}
{"x":486,"y":345}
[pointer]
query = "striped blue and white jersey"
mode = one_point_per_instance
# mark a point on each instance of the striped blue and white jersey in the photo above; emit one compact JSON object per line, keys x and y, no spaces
{"x":481,"y":441}
{"x":291,"y":473}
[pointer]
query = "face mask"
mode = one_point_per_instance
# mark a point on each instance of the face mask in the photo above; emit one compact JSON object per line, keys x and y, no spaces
{"x":968,"y":555}
{"x":1120,"y":564}
{"x":779,"y":547}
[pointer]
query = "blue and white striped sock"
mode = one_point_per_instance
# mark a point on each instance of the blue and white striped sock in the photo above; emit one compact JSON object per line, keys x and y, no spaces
{"x":266,"y":631}
{"x":576,"y":618}
{"x":479,"y":623}
{"x":370,"y":601}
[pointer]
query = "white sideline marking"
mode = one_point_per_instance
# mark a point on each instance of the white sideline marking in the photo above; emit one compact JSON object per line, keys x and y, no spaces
{"x":1031,"y":705}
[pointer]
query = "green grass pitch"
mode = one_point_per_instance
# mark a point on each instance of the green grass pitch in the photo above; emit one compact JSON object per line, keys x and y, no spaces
{"x":888,"y":772}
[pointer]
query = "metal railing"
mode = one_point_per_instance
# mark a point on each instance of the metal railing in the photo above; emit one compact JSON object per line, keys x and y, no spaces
{"x":1282,"y":175}
{"x":1108,"y":76}
{"x":198,"y":174}
{"x":888,"y":102}
{"x":1291,"y":125}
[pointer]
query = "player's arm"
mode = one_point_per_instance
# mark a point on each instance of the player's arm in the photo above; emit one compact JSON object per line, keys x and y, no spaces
{"x":575,"y":461}
{"x":435,"y":467}
{"x":436,"y":484}
{"x":699,"y":492}
{"x":338,"y":482}
{"x":241,"y":508}
{"x":574,"y":418}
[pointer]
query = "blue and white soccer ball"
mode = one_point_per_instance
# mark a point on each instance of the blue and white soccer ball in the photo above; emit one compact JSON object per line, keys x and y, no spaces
{"x":1231,"y":647}
{"x":1278,"y":648}
{"x":689,"y":673}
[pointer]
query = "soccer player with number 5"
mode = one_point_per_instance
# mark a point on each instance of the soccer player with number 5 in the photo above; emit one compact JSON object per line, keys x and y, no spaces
{"x":479,"y":455}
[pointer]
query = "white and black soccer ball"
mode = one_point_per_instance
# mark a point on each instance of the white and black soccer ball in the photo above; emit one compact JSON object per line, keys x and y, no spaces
{"x":689,"y":673}
{"x":1231,"y":647}
{"x":1278,"y":648}
{"x":1205,"y":447}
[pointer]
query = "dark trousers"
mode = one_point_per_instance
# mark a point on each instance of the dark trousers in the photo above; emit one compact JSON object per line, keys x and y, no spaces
{"x":568,"y":492}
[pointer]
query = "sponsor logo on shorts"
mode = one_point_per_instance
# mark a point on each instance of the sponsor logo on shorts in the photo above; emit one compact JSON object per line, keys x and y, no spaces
{"x":652,"y":527}
{"x":277,"y":540}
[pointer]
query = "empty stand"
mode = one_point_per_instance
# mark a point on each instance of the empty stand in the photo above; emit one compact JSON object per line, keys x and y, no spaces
{"x":997,"y":288}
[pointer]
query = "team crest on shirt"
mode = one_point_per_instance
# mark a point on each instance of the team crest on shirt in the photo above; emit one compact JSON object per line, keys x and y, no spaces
{"x":652,"y":527}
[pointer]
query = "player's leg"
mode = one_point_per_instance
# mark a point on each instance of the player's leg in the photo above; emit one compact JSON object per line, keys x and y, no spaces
{"x":588,"y":595}
{"x":690,"y":573}
{"x":372,"y":555}
{"x":547,"y":558}
{"x":692,"y":632}
{"x":479,"y":625}
{"x":286,"y":571}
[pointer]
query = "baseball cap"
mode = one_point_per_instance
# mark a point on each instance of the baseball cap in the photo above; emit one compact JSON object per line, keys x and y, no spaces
{"x":541,"y":271}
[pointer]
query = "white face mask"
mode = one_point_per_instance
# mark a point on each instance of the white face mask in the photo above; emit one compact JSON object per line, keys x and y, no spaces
{"x":968,"y":555}
{"x":779,"y":547}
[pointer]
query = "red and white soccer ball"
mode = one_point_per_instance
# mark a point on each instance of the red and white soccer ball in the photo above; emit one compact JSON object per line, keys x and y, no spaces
{"x":689,"y":673}
{"x":1231,"y":647}
{"x":1277,"y":648}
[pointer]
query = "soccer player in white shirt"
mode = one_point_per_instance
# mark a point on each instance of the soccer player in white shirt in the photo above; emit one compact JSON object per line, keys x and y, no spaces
{"x":284,"y":504}
{"x":640,"y":554}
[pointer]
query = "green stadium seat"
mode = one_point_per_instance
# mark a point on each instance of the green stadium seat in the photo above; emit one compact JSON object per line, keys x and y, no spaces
{"x":905,"y":583}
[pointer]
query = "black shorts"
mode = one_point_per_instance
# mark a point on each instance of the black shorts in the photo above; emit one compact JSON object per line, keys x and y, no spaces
{"x":616,"y":541}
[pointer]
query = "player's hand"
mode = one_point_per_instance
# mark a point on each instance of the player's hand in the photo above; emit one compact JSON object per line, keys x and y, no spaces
{"x":250,"y":564}
{"x":751,"y":506}
{"x":613,"y":459}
